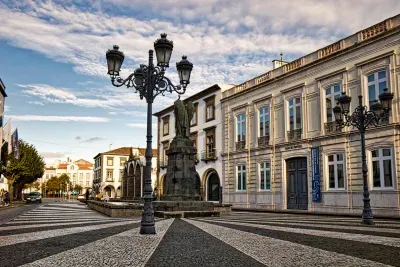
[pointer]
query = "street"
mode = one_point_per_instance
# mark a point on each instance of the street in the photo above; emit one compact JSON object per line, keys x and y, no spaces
{"x":70,"y":234}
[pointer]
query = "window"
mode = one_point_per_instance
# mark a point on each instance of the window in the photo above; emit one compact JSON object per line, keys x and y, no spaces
{"x":87,"y":183}
{"x":110,"y":161}
{"x":382,"y":175}
{"x":165,"y":125}
{"x":264,"y":121}
{"x":81,"y":176}
{"x":265,"y":176}
{"x":335,"y":171}
{"x":210,"y":108}
{"x":210,"y":143}
{"x":376,"y":83}
{"x":241,"y":177}
{"x":74,"y":175}
{"x":109,"y":174}
{"x":47,"y":176}
{"x":72,"y":167}
{"x":193,"y":137}
{"x":87,"y":176}
{"x":121,"y":174}
{"x":331,"y":94}
{"x":295,"y":113}
{"x":122,"y":161}
{"x":241,"y":128}
{"x":193,"y":122}
{"x":164,"y":159}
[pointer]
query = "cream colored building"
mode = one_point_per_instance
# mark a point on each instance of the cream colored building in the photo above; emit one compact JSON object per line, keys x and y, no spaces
{"x":109,"y":169}
{"x":205,"y":132}
{"x":272,"y":122}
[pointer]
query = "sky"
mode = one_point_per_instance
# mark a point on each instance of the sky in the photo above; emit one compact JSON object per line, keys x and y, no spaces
{"x":52,"y":58}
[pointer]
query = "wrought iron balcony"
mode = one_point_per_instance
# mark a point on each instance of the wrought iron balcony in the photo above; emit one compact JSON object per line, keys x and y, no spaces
{"x":163,"y":163}
{"x":332,"y":127}
{"x":263,"y":140}
{"x":240,"y":145}
{"x":209,"y":155}
{"x":294,"y":135}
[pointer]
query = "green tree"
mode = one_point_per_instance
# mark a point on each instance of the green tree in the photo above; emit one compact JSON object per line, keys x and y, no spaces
{"x":23,"y":170}
{"x":78,"y":188}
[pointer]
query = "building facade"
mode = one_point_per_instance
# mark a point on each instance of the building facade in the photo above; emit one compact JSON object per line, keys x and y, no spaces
{"x":4,"y":141}
{"x":109,"y":169}
{"x":280,"y":135}
{"x":205,"y":132}
{"x":80,"y":172}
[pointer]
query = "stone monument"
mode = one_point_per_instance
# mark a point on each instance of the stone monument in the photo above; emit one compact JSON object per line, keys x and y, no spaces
{"x":182,"y":182}
{"x":181,"y":196}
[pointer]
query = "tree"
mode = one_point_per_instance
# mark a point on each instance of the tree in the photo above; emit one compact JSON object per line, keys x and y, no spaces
{"x":23,"y":170}
{"x":78,"y":188}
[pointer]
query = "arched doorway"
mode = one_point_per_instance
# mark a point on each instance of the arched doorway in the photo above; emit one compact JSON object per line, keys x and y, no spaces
{"x":109,"y":191}
{"x":213,"y":187}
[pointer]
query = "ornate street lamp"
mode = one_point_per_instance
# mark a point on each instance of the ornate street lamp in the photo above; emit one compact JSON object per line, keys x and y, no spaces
{"x":149,"y":81}
{"x":362,"y":119}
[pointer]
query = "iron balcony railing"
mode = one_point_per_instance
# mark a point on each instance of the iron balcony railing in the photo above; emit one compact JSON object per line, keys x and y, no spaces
{"x":240,"y":145}
{"x":209,"y":154}
{"x":294,"y":135}
{"x":109,"y":180}
{"x":332,"y":127}
{"x":263,"y":140}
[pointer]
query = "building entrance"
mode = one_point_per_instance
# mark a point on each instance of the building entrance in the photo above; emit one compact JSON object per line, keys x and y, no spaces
{"x":213,"y":187}
{"x":297,"y":192}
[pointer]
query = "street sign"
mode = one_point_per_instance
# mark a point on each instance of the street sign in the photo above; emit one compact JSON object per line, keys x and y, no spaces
{"x":74,"y":192}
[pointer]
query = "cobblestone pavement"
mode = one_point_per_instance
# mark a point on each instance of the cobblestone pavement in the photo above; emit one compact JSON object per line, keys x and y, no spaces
{"x":70,"y":234}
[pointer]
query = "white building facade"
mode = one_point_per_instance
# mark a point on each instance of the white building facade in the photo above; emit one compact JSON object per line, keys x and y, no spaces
{"x":205,"y":132}
{"x":281,"y":147}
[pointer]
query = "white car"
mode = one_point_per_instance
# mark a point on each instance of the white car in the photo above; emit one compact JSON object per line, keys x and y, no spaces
{"x":81,"y":197}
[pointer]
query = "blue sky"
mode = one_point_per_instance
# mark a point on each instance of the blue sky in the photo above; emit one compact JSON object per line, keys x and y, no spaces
{"x":52,"y":57}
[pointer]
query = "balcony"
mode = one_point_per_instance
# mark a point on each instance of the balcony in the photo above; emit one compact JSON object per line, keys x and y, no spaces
{"x":163,"y":163}
{"x":332,"y":127}
{"x":209,"y":155}
{"x":263,"y":141}
{"x":110,"y":180}
{"x":240,"y":145}
{"x":294,"y":135}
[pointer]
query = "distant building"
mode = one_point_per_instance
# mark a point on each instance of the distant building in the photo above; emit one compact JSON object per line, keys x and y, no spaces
{"x":205,"y":132}
{"x":3,"y":136}
{"x":80,"y":172}
{"x":109,"y":169}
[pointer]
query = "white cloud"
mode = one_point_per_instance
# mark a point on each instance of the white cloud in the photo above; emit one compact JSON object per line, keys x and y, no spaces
{"x":53,"y":155}
{"x":57,"y":118}
{"x":141,"y":125}
{"x":36,"y":103}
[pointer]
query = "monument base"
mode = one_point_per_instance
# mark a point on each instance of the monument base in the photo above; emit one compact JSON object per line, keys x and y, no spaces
{"x":188,"y":209}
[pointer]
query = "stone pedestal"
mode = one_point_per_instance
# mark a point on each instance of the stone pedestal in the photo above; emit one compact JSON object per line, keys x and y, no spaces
{"x":182,"y":181}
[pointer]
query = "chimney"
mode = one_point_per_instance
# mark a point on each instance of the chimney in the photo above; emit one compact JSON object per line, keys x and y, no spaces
{"x":110,"y":146}
{"x":278,"y":63}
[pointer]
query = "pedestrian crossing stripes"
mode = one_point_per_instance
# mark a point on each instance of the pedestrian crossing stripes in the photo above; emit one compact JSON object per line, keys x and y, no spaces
{"x":70,"y":234}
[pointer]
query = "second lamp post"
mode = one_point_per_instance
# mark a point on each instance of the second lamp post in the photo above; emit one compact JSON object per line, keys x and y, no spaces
{"x":149,"y":81}
{"x":362,"y":119}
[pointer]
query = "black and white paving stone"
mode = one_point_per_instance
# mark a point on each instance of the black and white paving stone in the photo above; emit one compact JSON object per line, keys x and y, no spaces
{"x":70,"y":234}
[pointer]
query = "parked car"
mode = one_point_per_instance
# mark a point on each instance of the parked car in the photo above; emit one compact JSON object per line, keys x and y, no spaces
{"x":81,"y":197}
{"x":34,"y":197}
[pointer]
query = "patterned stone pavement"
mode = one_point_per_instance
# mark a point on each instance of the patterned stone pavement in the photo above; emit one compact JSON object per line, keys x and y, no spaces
{"x":70,"y":234}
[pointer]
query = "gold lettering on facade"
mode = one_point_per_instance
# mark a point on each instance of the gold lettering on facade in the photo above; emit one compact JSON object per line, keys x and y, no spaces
{"x":374,"y":30}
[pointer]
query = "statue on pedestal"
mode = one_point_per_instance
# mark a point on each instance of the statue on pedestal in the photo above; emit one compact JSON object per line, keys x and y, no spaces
{"x":183,"y":115}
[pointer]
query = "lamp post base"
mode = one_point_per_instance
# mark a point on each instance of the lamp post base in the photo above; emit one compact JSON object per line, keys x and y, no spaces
{"x":147,"y":230}
{"x":367,"y":218}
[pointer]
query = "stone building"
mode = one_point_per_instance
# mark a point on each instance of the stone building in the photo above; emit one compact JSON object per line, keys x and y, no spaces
{"x":272,"y":122}
{"x":205,"y":131}
{"x":109,"y":169}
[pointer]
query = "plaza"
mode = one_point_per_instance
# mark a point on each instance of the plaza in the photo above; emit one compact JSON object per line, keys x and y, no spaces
{"x":70,"y":234}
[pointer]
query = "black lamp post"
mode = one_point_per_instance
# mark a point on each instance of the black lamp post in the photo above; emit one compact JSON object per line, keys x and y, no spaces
{"x":362,"y":119}
{"x":149,"y":81}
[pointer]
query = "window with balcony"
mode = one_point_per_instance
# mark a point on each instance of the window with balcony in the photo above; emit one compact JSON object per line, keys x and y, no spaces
{"x":264,"y":123}
{"x":110,"y":161}
{"x":377,"y":81}
{"x":240,"y":131}
{"x":241,"y":178}
{"x":210,"y":108}
{"x":382,"y":168}
{"x":164,"y":157}
{"x":336,"y":175}
{"x":165,"y":121}
{"x":294,"y":132}
{"x":265,"y":176}
{"x":87,"y":183}
{"x":331,"y":95}
{"x":210,"y":152}
{"x":110,"y":176}
{"x":193,"y":122}
{"x":122,"y":161}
